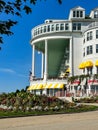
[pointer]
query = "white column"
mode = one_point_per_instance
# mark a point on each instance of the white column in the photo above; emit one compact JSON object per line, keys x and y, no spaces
{"x":46,"y":60}
{"x":71,"y":58}
{"x":42,"y":70}
{"x":87,"y":91}
{"x":33,"y":61}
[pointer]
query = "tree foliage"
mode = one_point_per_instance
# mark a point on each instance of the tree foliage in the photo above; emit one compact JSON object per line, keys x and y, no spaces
{"x":14,"y":7}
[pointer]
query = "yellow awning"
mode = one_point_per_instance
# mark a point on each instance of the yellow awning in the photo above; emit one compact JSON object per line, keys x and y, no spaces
{"x":60,"y":86}
{"x":82,"y":65}
{"x":39,"y":86}
{"x":53,"y":86}
{"x":34,"y":87}
{"x":68,"y":70}
{"x":48,"y":86}
{"x":88,"y":64}
{"x":44,"y":85}
{"x":96,"y":63}
{"x":31,"y":87}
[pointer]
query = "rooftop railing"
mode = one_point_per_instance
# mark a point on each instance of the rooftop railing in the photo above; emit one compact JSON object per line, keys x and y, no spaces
{"x":94,"y":24}
{"x":50,"y":28}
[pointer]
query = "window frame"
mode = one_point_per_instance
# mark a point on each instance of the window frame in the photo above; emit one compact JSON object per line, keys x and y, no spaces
{"x":96,"y":34}
{"x":89,"y":50}
{"x":96,"y":48}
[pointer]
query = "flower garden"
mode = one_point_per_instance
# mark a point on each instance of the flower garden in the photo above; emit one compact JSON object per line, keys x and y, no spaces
{"x":25,"y":104}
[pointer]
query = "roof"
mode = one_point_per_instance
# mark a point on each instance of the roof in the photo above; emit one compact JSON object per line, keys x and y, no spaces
{"x":95,"y":9}
{"x":78,"y":8}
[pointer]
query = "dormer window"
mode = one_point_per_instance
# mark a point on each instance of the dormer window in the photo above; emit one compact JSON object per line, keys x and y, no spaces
{"x":81,"y":13}
{"x":96,"y":14}
{"x":78,"y":14}
{"x":74,"y":14}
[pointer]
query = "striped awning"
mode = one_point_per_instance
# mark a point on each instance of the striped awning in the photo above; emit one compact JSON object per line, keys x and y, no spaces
{"x":60,"y":86}
{"x":82,"y":65}
{"x":53,"y":86}
{"x":31,"y":87}
{"x":47,"y":86}
{"x":39,"y":86}
{"x":34,"y":87}
{"x":88,"y":64}
{"x":96,"y":63}
{"x":68,"y":70}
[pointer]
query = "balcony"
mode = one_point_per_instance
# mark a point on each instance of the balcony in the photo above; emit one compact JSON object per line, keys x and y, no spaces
{"x":49,"y":80}
{"x":50,"y":28}
{"x":92,"y":25}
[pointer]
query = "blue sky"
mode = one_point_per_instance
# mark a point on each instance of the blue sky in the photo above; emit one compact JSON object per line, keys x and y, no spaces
{"x":16,"y":53}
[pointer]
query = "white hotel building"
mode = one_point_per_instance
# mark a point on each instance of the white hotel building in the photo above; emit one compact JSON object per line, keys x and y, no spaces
{"x":68,"y":48}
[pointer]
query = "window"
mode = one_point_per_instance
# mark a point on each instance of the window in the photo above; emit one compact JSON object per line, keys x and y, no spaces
{"x":57,"y":26}
{"x":96,"y":33}
{"x":77,"y":14}
{"x":66,"y":26}
{"x":81,"y":13}
{"x":38,"y":30}
{"x":89,"y":50}
{"x":91,"y":35}
{"x":44,"y":28}
{"x":96,"y":48}
{"x":96,"y":14}
{"x":79,"y":26}
{"x":74,"y":13}
{"x":61,"y":26}
{"x":83,"y":52}
{"x":41,"y":30}
{"x":34,"y":32}
{"x":89,"y":70}
{"x":48,"y":28}
{"x":52,"y":28}
{"x":88,"y":37}
{"x":84,"y":39}
{"x":76,"y":26}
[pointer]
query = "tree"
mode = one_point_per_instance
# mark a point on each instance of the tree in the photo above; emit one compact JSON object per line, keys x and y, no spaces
{"x":14,"y":7}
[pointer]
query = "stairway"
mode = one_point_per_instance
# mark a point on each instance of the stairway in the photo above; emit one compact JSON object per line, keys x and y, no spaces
{"x":64,"y":64}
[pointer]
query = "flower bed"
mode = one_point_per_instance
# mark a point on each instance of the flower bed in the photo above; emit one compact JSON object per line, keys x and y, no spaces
{"x":24,"y":104}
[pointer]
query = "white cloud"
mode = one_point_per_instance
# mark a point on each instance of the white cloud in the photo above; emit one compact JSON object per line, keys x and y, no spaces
{"x":11,"y":71}
{"x":7,"y":70}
